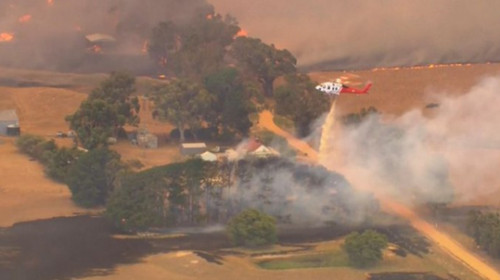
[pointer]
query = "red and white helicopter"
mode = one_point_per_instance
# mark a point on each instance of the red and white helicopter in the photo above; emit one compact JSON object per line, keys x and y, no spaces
{"x":337,"y":88}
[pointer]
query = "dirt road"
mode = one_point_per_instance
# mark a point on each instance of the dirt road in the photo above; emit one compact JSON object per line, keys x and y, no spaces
{"x":431,"y":232}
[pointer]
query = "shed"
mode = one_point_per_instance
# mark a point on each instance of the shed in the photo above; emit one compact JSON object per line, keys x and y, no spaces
{"x":188,"y":149}
{"x":8,"y":118}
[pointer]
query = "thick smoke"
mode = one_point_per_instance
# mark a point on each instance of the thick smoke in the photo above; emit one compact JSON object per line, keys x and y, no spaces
{"x":298,"y":194}
{"x":364,"y":34}
{"x":51,"y":34}
{"x":448,"y":154}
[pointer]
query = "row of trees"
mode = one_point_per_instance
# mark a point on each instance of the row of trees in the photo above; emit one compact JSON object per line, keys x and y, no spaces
{"x":91,"y":176}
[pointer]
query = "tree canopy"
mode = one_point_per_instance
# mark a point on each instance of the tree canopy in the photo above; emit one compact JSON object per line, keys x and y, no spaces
{"x":232,"y":104}
{"x":264,"y":61}
{"x":107,"y":109}
{"x":299,"y":100}
{"x":92,"y":178}
{"x":182,"y":102}
{"x":485,"y":229}
{"x":194,"y":49}
{"x":365,"y":249}
{"x":252,"y":228}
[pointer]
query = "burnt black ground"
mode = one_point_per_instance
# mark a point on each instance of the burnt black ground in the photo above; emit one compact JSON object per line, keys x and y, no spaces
{"x":63,"y":248}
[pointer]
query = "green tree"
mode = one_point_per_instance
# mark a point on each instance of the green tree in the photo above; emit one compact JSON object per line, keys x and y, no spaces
{"x":365,"y":249}
{"x":231,"y":105}
{"x":183,"y":103}
{"x":139,"y":203}
{"x":164,"y":43}
{"x":36,"y":147}
{"x":299,"y":100}
{"x":252,"y":228}
{"x":485,"y":229}
{"x":194,"y":49}
{"x":264,"y":61}
{"x":60,"y":161}
{"x":94,"y":122}
{"x":92,"y":177}
{"x":107,"y":109}
{"x":117,"y":91}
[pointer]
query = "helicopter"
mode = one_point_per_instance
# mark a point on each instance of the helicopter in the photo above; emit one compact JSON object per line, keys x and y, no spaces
{"x":337,"y":88}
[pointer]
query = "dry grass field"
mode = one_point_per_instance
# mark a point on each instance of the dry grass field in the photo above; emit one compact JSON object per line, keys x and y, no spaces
{"x":26,"y":194}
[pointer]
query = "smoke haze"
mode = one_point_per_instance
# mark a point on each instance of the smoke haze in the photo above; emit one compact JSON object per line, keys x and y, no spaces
{"x":361,"y":34}
{"x":51,"y":34}
{"x":449,"y":154}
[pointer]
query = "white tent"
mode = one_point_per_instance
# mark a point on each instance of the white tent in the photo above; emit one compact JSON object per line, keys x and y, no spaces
{"x":208,"y":156}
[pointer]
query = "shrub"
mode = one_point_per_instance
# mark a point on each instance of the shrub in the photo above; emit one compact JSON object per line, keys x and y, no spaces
{"x":365,"y":249}
{"x":252,"y":228}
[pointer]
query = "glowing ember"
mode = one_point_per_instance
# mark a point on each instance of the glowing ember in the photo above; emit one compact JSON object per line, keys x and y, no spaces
{"x":6,"y":37}
{"x":430,"y":66}
{"x":209,"y":16}
{"x":242,"y":33}
{"x":95,"y":49}
{"x":24,"y":18}
{"x":50,"y":2}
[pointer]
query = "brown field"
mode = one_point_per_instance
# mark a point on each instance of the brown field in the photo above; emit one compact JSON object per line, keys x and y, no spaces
{"x":26,"y":194}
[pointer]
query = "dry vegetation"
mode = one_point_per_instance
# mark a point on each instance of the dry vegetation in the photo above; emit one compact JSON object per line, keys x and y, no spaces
{"x":26,"y":194}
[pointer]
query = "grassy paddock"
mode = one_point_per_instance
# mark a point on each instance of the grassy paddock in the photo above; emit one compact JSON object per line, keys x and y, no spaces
{"x":337,"y":258}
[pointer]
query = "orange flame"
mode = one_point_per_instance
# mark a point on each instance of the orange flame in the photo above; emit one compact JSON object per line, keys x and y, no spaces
{"x":50,"y":2}
{"x":95,"y":49}
{"x":6,"y":37}
{"x":241,"y":33}
{"x":24,"y":18}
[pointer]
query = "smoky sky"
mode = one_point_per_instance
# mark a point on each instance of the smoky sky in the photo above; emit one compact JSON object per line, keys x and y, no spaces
{"x":50,"y":34}
{"x":331,"y":35}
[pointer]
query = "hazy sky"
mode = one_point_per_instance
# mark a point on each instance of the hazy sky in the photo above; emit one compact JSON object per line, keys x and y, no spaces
{"x":363,"y":34}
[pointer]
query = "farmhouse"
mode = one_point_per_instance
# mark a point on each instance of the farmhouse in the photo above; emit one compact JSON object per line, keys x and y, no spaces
{"x":9,"y":123}
{"x":189,"y":149}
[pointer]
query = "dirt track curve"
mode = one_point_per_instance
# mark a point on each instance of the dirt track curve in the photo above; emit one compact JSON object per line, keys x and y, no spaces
{"x":443,"y":240}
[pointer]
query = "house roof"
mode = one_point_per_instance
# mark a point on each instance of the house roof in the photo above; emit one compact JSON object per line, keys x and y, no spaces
{"x":100,"y":38}
{"x":208,"y":156}
{"x":253,"y":144}
{"x":264,"y":151}
{"x":193,"y":145}
{"x":8,"y":115}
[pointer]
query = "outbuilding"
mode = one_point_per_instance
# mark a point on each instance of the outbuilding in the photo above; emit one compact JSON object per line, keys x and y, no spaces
{"x":189,"y":149}
{"x":9,"y":122}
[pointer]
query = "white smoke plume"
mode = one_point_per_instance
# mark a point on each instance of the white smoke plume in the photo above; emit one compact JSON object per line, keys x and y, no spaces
{"x":446,"y":154}
{"x":298,"y":194}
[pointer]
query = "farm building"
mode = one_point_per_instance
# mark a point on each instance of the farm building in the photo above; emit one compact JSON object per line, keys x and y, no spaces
{"x":148,"y":141}
{"x":9,"y":123}
{"x":189,"y":149}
